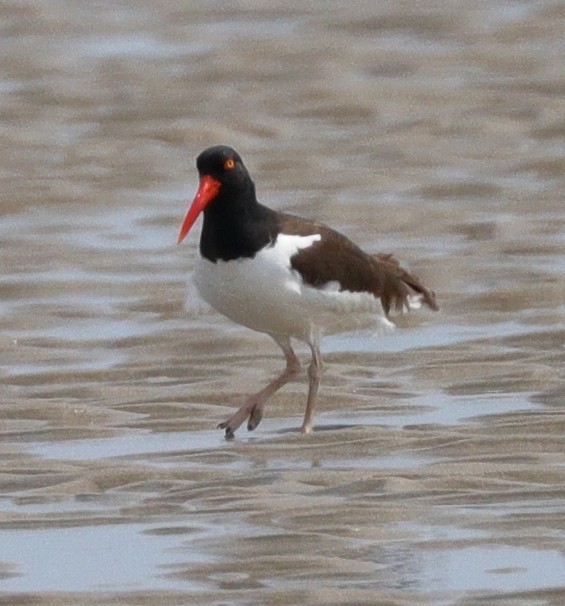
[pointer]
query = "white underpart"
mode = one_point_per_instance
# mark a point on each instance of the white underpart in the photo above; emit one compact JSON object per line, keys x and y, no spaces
{"x":265,"y":294}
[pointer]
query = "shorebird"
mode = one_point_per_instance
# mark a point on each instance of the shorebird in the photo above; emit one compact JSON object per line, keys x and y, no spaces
{"x":285,"y":276}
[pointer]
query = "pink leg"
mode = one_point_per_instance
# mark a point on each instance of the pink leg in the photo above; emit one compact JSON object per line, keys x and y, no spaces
{"x":314,"y":374}
{"x":252,"y":409}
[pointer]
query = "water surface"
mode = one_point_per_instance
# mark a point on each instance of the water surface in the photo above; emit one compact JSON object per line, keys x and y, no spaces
{"x":436,"y":474}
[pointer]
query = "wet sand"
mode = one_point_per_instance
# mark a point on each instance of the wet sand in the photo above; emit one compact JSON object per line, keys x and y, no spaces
{"x":436,"y":473}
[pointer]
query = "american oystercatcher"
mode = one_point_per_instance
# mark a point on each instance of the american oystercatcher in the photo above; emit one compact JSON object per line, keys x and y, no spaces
{"x":285,"y":276}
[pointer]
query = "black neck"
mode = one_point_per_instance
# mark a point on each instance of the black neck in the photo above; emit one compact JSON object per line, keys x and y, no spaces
{"x":237,"y":226}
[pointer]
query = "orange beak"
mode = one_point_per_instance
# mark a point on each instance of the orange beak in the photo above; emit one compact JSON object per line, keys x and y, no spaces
{"x":207,"y":191}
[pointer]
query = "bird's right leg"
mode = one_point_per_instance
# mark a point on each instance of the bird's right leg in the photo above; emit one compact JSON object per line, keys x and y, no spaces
{"x":253,"y":407}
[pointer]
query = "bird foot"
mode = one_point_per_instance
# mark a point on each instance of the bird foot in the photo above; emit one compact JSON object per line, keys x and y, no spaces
{"x":251,"y":410}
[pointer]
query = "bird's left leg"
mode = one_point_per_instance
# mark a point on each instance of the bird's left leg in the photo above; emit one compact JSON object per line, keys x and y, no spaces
{"x":314,"y":374}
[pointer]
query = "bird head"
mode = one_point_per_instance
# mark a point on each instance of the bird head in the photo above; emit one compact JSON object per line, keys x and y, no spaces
{"x":222,"y":173}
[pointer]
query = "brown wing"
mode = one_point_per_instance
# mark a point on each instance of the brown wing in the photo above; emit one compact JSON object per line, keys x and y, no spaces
{"x":336,"y":258}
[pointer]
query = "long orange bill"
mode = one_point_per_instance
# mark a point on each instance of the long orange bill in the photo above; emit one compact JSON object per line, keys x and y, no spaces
{"x":207,"y":191}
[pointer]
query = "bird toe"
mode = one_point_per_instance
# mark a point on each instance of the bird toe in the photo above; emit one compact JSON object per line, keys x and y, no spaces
{"x":255,"y":418}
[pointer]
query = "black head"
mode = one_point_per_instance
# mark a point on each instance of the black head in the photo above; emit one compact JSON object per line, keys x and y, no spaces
{"x":224,"y":182}
{"x":235,"y":224}
{"x":225,"y":165}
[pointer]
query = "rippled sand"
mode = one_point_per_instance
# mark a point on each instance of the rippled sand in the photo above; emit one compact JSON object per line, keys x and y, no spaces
{"x":436,"y":474}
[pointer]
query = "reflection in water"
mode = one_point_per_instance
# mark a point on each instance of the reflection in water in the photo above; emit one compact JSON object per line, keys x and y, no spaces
{"x":437,"y":473}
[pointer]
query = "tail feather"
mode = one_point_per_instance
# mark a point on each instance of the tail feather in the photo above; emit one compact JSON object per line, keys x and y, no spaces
{"x":410,"y":283}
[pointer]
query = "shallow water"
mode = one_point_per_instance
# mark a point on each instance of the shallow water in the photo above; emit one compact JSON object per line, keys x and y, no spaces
{"x":436,"y":474}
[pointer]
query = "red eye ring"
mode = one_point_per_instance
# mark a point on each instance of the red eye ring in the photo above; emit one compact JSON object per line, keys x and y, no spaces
{"x":229,"y":164}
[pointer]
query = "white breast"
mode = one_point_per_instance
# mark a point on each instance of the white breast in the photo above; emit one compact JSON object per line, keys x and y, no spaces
{"x":265,"y":294}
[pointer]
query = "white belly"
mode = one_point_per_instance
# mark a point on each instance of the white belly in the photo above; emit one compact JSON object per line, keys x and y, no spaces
{"x":265,"y":294}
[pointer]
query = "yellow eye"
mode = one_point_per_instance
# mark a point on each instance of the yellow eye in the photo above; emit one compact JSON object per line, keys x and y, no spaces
{"x":229,"y":164}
